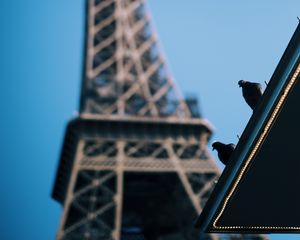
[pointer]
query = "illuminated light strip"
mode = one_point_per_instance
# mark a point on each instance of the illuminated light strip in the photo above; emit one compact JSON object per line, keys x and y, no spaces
{"x":256,"y":147}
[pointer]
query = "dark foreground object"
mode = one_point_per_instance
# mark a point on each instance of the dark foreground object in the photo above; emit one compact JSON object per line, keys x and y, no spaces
{"x":252,"y":92}
{"x":258,"y":191}
{"x":224,"y":151}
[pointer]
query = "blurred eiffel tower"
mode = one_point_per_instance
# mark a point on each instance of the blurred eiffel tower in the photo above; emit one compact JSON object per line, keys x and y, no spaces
{"x":134,"y":163}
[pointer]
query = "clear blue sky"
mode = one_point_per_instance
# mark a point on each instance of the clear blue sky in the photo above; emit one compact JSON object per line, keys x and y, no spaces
{"x":209,"y":45}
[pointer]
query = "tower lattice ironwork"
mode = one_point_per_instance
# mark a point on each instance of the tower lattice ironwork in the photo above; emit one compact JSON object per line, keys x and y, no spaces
{"x":134,"y":163}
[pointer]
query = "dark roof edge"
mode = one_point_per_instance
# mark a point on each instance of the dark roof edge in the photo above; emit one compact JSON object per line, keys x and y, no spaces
{"x":129,"y":118}
{"x":283,"y":71}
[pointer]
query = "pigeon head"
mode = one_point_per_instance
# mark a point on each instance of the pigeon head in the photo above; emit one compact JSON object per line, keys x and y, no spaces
{"x":217,"y":145}
{"x":242,"y":83}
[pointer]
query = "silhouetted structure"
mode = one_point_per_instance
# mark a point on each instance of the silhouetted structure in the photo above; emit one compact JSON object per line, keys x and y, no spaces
{"x":134,"y":163}
{"x":258,"y":191}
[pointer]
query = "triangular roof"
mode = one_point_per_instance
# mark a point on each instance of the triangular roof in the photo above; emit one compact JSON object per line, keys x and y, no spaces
{"x":259,"y":189}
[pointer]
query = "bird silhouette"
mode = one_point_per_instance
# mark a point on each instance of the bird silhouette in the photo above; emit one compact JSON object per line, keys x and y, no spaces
{"x":252,"y":92}
{"x":224,"y":151}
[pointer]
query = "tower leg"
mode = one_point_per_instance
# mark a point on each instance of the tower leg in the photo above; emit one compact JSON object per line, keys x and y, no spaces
{"x":69,"y":196}
{"x":119,"y":192}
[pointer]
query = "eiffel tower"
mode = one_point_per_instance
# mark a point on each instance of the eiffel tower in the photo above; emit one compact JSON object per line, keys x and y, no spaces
{"x":134,"y":163}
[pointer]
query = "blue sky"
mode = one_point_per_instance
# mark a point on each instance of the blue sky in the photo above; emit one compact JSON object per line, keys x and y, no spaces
{"x":209,"y":45}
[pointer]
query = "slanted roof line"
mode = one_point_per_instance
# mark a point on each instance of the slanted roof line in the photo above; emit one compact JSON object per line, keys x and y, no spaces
{"x":231,"y":196}
{"x":258,"y":144}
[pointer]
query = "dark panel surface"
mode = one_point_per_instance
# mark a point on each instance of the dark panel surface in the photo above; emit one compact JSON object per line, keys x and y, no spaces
{"x":269,"y":193}
{"x":259,"y":189}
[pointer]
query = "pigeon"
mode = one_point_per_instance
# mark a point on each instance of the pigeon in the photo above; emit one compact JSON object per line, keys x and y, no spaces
{"x":252,"y":92}
{"x":224,"y":151}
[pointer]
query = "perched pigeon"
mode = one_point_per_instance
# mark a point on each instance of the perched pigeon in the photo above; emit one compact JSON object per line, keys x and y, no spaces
{"x":224,"y":151}
{"x":252,"y":92}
